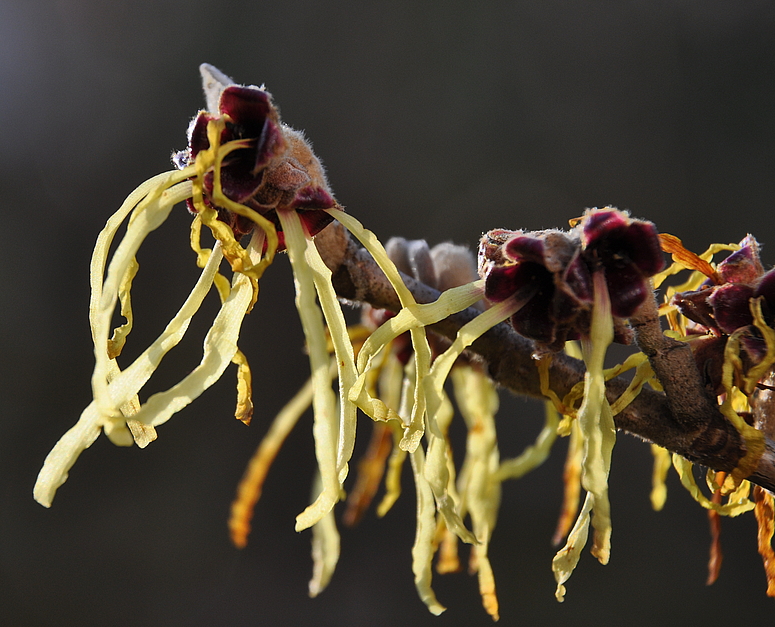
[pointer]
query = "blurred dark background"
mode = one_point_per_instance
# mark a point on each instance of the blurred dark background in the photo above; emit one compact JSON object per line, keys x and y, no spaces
{"x":435,"y":121}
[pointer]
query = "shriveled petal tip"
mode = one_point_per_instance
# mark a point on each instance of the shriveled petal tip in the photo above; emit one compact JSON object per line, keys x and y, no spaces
{"x":744,"y":265}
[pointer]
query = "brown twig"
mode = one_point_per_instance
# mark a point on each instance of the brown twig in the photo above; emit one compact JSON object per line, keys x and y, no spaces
{"x":685,"y":419}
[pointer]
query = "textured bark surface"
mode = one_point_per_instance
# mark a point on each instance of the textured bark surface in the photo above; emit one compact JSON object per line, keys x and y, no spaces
{"x":685,"y":419}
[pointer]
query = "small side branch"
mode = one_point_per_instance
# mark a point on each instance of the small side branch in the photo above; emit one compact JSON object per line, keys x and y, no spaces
{"x":685,"y":419}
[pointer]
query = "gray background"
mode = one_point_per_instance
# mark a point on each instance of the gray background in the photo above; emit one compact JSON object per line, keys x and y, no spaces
{"x":434,"y":121}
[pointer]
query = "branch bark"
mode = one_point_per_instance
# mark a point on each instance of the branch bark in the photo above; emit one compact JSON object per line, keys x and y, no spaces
{"x":685,"y":419}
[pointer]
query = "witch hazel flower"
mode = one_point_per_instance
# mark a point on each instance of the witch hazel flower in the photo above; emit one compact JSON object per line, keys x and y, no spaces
{"x":244,"y":173}
{"x":726,"y":313}
{"x":581,"y":284}
{"x":389,"y":382}
{"x":247,"y":176}
{"x":728,"y":321}
{"x":271,"y":169}
{"x":557,"y":267}
{"x":545,"y":267}
{"x":725,"y":305}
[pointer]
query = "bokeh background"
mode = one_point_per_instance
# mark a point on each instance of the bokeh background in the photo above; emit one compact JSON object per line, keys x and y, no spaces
{"x":436,"y":121}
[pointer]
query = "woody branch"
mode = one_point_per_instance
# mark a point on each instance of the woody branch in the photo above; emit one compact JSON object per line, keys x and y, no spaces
{"x":685,"y":419}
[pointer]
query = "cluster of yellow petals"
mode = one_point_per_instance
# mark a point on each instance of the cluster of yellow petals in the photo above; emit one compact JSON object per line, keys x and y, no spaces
{"x":738,"y":385}
{"x":354,"y":372}
{"x":116,"y":408}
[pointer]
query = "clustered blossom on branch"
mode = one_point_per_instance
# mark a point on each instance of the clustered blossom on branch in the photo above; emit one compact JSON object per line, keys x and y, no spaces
{"x":557,"y":267}
{"x":247,"y":176}
{"x":271,"y":169}
{"x":721,"y":308}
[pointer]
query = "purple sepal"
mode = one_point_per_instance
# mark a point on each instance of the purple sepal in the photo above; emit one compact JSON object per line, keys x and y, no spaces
{"x":731,"y":306}
{"x":525,"y":248}
{"x":627,"y":290}
{"x":617,"y":241}
{"x":270,"y":168}
{"x":312,"y":198}
{"x":628,"y":251}
{"x":742,"y":266}
{"x":695,"y":306}
{"x":766,"y":288}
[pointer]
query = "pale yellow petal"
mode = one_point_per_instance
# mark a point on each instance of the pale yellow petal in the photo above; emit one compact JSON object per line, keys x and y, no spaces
{"x":62,"y":457}
{"x":125,"y":385}
{"x":738,"y":502}
{"x":596,"y":420}
{"x":220,"y":346}
{"x":251,"y":485}
{"x":398,"y":456}
{"x":325,"y":427}
{"x":343,"y":351}
{"x":480,"y":490}
{"x":659,"y":475}
{"x":567,"y":558}
{"x":149,"y":214}
{"x":422,"y":353}
{"x":325,"y":550}
{"x":436,"y":464}
{"x":120,"y":388}
{"x":424,"y":539}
